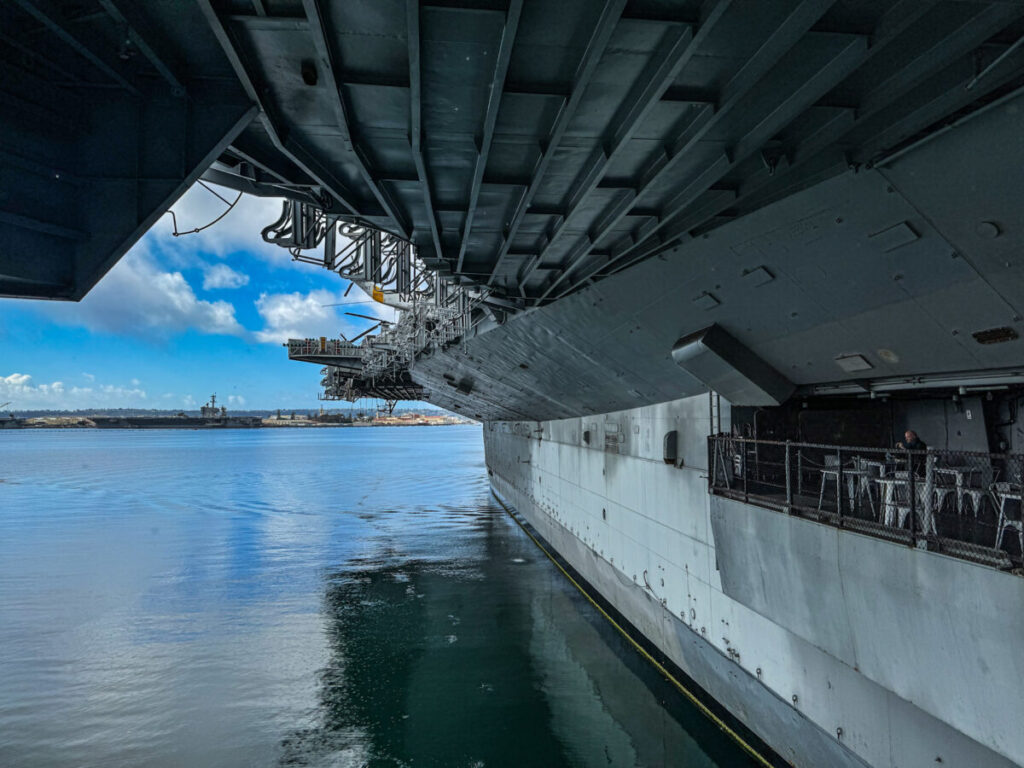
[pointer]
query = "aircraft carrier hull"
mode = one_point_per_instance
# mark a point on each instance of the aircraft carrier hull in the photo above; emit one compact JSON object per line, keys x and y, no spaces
{"x":831,"y":666}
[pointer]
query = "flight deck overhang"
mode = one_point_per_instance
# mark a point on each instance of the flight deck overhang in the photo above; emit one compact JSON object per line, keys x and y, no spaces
{"x":565,"y":141}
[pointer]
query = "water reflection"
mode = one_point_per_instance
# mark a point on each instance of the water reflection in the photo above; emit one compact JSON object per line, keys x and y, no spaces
{"x":207,"y":599}
{"x":489,"y":658}
{"x":430,"y":660}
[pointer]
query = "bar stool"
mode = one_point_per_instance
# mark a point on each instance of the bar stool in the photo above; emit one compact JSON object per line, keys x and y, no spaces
{"x":942,"y":489}
{"x":1005,"y":492}
{"x":867,"y":473}
{"x":830,"y":471}
{"x":976,"y":497}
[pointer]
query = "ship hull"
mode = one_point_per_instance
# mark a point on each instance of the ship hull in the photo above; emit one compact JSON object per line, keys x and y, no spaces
{"x":649,"y":539}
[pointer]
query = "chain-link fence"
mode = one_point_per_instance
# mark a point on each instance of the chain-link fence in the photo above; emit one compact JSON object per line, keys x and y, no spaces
{"x":961,"y":503}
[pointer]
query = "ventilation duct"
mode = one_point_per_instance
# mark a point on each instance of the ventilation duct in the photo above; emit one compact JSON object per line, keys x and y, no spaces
{"x":725,"y":366}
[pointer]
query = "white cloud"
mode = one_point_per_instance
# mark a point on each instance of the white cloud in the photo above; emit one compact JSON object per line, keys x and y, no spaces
{"x":239,"y":231}
{"x":147,"y":295}
{"x":236,"y":400}
{"x":138,"y":298}
{"x":295,"y":315}
{"x":304,"y":315}
{"x":222,"y":276}
{"x":88,"y":376}
{"x":135,"y":382}
{"x":24,"y":395}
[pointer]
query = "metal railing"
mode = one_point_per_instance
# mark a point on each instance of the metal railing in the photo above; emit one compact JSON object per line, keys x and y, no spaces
{"x":965,"y":504}
{"x":322,"y":347}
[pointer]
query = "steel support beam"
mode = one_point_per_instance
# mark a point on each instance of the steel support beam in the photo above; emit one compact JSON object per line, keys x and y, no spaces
{"x":318,"y":30}
{"x":143,"y":37}
{"x":272,"y":122}
{"x":39,"y":57}
{"x":53,"y":21}
{"x":962,"y":42}
{"x":825,"y":166}
{"x":504,"y":56}
{"x":258,"y":189}
{"x":595,"y":49}
{"x":810,"y":163}
{"x":280,"y":168}
{"x":781,"y":40}
{"x":412,"y":13}
{"x":966,"y":38}
{"x":940,"y":103}
{"x":652,"y":84}
{"x":44,"y":227}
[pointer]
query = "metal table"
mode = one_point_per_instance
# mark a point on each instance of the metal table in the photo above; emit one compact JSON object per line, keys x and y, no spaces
{"x":891,"y":506}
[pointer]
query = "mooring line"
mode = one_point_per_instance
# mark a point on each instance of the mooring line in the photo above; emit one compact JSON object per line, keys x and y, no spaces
{"x":692,"y":698}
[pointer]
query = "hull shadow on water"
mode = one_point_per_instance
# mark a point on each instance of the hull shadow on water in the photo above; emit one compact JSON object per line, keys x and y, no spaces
{"x":486,"y":658}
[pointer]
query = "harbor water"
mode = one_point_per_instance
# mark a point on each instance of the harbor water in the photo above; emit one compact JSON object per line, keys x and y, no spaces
{"x":300,"y":597}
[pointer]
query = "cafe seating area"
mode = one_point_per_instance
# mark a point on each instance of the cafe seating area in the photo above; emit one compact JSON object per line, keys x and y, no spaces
{"x":966,"y":504}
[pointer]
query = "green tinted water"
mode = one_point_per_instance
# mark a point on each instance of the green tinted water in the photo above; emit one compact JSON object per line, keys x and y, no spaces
{"x":347,"y":597}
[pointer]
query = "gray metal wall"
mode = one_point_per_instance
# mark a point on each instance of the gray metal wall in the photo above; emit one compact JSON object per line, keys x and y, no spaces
{"x":940,"y":632}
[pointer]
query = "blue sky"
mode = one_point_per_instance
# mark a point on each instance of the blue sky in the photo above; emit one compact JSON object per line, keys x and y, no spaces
{"x":179,"y":318}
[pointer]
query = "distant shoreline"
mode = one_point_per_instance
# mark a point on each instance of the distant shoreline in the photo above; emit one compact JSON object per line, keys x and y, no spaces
{"x":128,"y":424}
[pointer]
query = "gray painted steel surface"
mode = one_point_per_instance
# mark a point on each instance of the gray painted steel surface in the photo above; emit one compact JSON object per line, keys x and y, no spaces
{"x":896,"y":616}
{"x":824,"y":288}
{"x":825,"y":642}
{"x":530,"y":147}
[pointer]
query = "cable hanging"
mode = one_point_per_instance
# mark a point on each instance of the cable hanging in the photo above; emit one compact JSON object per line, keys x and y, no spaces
{"x":230,"y":206}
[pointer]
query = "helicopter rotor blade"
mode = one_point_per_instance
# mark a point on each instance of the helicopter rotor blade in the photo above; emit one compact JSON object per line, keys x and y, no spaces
{"x":368,"y":330}
{"x":369,"y":317}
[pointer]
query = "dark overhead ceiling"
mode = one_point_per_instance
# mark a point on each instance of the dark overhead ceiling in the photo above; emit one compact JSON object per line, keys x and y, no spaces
{"x":528,"y":146}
